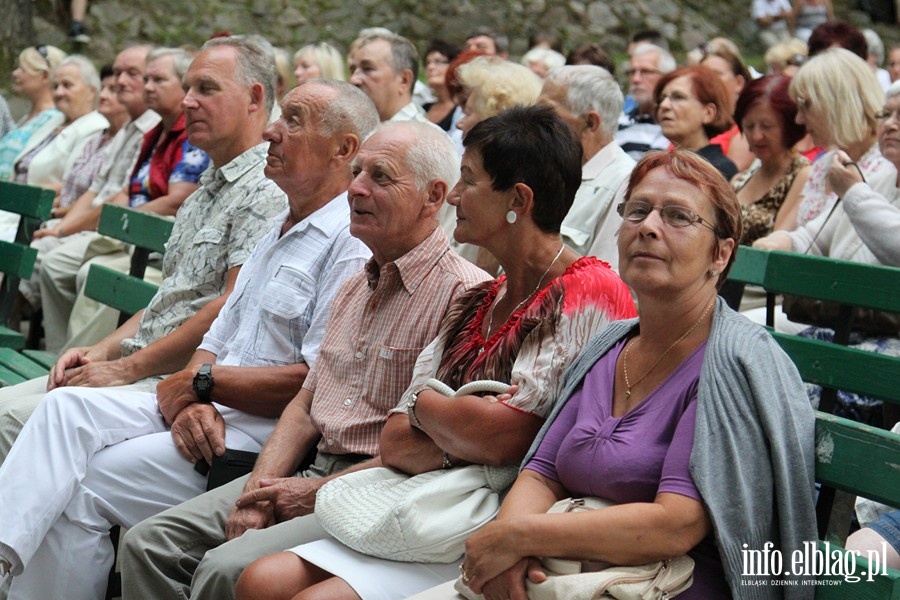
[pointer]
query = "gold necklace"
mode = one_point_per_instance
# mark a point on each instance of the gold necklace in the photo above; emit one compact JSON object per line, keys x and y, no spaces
{"x":628,"y":385}
{"x":519,"y":305}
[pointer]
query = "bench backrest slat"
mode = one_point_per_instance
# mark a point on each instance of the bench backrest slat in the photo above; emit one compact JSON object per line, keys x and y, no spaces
{"x":26,"y":200}
{"x":142,"y":229}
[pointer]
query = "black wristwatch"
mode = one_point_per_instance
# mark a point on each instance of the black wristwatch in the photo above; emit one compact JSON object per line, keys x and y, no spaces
{"x":203,"y":384}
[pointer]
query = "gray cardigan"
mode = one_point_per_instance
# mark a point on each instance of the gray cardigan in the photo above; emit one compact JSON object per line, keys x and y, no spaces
{"x":753,"y":455}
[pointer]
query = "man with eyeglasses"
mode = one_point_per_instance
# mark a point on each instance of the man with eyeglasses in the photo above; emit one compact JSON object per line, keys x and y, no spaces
{"x":638,"y":132}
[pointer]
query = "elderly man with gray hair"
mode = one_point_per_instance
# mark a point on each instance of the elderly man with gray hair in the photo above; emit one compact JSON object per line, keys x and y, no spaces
{"x":638,"y":131}
{"x":589,"y":100}
{"x":389,"y":313}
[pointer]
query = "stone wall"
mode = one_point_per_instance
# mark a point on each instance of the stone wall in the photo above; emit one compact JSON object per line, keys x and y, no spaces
{"x":293,"y":23}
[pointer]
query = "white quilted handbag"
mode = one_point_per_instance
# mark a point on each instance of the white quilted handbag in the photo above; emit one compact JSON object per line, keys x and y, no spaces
{"x":422,"y":518}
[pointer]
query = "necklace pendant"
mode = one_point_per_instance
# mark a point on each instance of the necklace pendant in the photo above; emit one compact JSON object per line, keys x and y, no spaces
{"x":627,"y":394}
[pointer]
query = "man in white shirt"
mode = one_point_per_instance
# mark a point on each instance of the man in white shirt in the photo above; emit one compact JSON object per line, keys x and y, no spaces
{"x":110,"y":456}
{"x":589,"y":100}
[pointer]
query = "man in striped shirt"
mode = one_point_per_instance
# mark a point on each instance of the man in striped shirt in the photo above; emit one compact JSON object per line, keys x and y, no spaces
{"x":381,"y":320}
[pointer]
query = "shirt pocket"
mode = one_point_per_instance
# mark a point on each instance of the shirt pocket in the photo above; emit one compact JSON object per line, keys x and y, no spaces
{"x":393,"y":374}
{"x":201,"y":263}
{"x":284,"y":306}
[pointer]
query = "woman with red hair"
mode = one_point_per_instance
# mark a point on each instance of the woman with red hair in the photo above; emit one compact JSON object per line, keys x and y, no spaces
{"x":691,"y":108}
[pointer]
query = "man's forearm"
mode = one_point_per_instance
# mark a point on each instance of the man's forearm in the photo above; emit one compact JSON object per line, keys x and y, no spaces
{"x":172,"y":352}
{"x":293,"y":438}
{"x":261,"y":391}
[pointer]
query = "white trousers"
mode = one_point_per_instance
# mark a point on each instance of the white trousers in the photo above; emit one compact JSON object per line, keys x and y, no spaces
{"x":86,"y":460}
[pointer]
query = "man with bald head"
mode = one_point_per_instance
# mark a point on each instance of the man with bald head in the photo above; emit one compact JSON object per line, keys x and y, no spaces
{"x":389,"y":313}
{"x":103,"y":448}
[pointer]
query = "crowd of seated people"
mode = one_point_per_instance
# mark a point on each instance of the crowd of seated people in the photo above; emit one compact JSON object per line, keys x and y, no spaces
{"x":470,"y":216}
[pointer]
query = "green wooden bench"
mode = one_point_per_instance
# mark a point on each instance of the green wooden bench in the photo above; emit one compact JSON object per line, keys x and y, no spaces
{"x":128,"y":292}
{"x":852,"y":459}
{"x":17,"y":257}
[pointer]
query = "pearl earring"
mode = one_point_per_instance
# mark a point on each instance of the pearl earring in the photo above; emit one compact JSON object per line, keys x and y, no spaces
{"x":511,"y":217}
{"x":714,"y":273}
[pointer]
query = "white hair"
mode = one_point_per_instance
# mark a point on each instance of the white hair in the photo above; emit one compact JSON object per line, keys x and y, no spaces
{"x":590,"y":88}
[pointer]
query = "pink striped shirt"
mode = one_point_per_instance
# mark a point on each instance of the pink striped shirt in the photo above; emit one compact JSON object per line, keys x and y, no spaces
{"x":380,"y":321}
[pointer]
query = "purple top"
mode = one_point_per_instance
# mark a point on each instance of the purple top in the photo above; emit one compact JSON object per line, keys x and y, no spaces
{"x":634,"y":457}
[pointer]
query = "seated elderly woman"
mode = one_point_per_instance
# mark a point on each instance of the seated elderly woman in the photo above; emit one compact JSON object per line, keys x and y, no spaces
{"x":862,"y":228}
{"x":690,"y":419}
{"x":77,"y":178}
{"x":490,"y":85}
{"x":76,"y":86}
{"x":524,"y":328}
{"x":691,"y":108}
{"x":493,"y":85}
{"x":769,"y":191}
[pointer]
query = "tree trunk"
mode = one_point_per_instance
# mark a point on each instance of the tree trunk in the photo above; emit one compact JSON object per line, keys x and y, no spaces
{"x":16,"y":32}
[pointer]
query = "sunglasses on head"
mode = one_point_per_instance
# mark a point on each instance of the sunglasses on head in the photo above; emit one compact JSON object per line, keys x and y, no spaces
{"x":42,"y":50}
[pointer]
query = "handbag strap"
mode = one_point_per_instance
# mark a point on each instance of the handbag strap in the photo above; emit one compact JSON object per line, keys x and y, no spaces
{"x":473,"y":387}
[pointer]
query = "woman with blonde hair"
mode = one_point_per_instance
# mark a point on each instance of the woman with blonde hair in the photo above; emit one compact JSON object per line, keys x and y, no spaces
{"x":493,"y":85}
{"x":32,"y":79}
{"x":838,"y":99}
{"x":319,"y":61}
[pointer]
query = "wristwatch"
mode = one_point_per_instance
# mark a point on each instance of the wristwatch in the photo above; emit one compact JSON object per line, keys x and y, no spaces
{"x":203,"y":384}
{"x":411,"y":408}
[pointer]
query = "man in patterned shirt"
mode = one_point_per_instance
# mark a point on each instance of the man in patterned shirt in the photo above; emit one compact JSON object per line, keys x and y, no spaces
{"x":214,"y":233}
{"x":388,"y":314}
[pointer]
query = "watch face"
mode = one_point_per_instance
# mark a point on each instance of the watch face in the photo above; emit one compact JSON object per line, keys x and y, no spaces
{"x":202,"y":383}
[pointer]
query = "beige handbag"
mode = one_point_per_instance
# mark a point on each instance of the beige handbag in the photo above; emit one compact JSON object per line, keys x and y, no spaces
{"x":593,"y":580}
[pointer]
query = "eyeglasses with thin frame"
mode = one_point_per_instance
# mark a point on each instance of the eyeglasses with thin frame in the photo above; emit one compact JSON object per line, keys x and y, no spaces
{"x":673,"y":215}
{"x":42,"y":50}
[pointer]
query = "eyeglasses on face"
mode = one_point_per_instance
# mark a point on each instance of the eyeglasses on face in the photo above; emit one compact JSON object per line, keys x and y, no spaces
{"x":673,"y":215}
